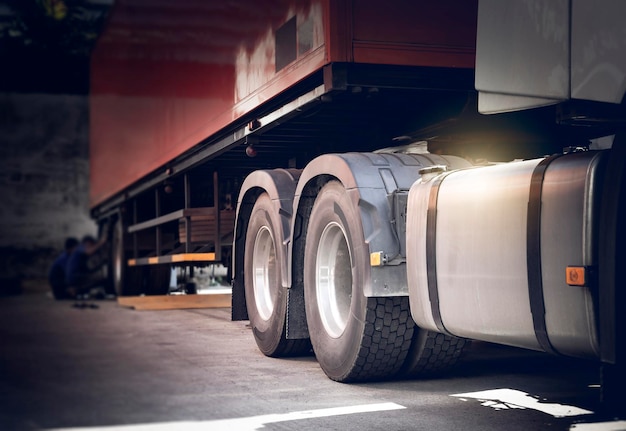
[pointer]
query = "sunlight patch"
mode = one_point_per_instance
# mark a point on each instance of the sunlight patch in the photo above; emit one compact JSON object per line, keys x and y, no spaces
{"x":244,"y":424}
{"x":505,"y":399}
{"x":600,"y":426}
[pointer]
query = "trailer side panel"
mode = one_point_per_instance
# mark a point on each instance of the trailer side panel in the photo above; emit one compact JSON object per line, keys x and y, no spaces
{"x":165,"y":78}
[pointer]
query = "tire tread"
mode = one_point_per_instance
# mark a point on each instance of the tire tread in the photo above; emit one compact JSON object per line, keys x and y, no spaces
{"x":290,"y":348}
{"x":432,"y":352}
{"x":386,"y":340}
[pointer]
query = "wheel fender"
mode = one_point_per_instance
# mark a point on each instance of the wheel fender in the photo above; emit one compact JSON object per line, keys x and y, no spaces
{"x":280,"y":185}
{"x":370,"y":180}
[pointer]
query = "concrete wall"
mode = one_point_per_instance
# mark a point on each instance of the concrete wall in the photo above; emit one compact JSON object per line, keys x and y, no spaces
{"x":44,"y":174}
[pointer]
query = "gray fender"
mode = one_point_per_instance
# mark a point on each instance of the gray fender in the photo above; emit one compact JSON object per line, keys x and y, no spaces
{"x":370,"y":179}
{"x":280,"y":185}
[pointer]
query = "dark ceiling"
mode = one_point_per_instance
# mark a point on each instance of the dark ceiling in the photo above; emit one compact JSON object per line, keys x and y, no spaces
{"x":45,"y":45}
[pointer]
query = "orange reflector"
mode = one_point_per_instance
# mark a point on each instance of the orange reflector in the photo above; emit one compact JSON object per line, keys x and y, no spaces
{"x":376,"y":258}
{"x":575,"y":275}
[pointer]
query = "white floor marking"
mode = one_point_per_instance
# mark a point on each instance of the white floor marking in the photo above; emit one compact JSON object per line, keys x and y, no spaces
{"x":600,"y":426}
{"x":502,"y":399}
{"x":245,"y":424}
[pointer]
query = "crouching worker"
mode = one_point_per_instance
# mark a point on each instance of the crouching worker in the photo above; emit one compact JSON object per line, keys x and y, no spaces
{"x":83,"y":271}
{"x":57,"y":275}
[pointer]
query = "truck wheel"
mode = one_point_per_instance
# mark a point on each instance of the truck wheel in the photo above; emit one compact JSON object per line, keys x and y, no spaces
{"x":355,"y":338}
{"x":266,"y":298}
{"x":158,"y":282}
{"x":431,"y":352}
{"x":126,"y":280}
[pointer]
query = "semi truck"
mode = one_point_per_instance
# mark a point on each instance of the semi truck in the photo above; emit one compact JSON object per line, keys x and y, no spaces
{"x":385,"y":181}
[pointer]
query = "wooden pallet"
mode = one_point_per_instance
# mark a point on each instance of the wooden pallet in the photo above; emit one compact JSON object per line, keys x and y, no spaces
{"x":220,"y":299}
{"x":203,"y":227}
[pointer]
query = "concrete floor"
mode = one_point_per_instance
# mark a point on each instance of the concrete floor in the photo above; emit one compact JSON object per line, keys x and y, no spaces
{"x":62,"y":367}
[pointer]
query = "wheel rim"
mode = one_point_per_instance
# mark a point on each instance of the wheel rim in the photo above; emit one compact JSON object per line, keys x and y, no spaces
{"x":333,"y":269}
{"x":264,"y":272}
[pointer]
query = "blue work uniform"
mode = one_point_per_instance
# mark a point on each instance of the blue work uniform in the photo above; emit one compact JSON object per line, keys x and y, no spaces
{"x":76,"y":266}
{"x":57,"y":275}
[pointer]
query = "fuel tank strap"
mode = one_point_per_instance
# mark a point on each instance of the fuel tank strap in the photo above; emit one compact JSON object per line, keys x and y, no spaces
{"x":533,"y":255}
{"x":431,"y":252}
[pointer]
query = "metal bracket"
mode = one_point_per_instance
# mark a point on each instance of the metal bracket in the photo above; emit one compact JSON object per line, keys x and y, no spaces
{"x":400,"y":199}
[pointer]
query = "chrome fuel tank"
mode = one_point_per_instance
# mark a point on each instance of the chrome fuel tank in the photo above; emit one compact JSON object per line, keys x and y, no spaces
{"x":488,"y":249}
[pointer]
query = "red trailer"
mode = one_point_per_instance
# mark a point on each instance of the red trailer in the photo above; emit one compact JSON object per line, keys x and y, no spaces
{"x":182,"y":96}
{"x":167,"y":77}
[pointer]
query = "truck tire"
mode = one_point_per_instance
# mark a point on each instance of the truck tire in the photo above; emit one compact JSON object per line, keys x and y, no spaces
{"x":266,"y":298}
{"x":432,"y":352}
{"x":158,"y":282}
{"x":354,"y":337}
{"x":126,"y":280}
